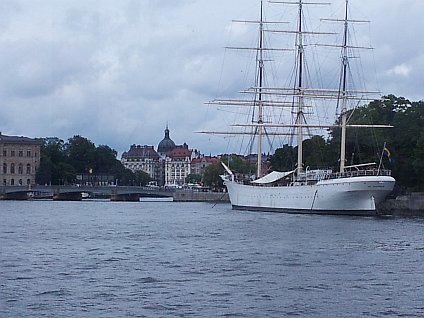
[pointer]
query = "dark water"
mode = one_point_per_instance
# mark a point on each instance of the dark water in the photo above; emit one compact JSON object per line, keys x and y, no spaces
{"x":150,"y":259}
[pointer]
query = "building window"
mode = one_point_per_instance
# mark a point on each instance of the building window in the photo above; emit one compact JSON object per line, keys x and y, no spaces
{"x":4,"y":167}
{"x":12,"y":153}
{"x":4,"y":182}
{"x":28,"y":153}
{"x":20,"y":168}
{"x":12,"y":168}
{"x":28,"y":181}
{"x":20,"y":153}
{"x":28,"y":168}
{"x":20,"y":181}
{"x":4,"y":152}
{"x":12,"y":181}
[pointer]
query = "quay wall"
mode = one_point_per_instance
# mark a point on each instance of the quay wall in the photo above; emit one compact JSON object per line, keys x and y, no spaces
{"x":411,"y":204}
{"x":198,"y":196}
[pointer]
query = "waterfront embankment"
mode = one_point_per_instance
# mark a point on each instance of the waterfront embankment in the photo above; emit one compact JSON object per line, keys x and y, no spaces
{"x":403,"y":205}
{"x":411,"y":204}
{"x":183,"y":195}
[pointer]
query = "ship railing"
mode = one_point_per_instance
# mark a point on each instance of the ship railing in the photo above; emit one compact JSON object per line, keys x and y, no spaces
{"x":358,"y":173}
{"x":312,"y":178}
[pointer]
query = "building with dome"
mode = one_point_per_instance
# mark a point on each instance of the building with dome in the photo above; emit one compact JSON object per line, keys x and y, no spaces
{"x":166,"y":144}
{"x":168,"y":166}
{"x":176,"y":161}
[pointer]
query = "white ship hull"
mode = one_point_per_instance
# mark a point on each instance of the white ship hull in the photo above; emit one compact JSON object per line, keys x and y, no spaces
{"x":351,"y":196}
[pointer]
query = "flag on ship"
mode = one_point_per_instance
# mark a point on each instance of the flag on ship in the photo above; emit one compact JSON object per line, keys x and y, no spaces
{"x":387,"y":153}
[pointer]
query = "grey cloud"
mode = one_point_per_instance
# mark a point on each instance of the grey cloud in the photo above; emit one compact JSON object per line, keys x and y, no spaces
{"x":118,"y":72}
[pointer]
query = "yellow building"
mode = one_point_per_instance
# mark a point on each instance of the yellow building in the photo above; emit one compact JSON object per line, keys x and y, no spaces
{"x":19,"y":160}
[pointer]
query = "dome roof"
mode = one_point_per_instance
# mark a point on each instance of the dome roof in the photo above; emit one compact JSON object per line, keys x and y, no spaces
{"x":166,"y":143}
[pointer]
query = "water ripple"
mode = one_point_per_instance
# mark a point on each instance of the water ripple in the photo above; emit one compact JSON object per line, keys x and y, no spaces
{"x":165,"y":259}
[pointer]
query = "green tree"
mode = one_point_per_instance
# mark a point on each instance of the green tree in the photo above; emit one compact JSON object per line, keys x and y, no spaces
{"x":193,"y":178}
{"x":211,"y":176}
{"x":125,"y":177}
{"x":315,"y":152}
{"x":104,"y":159}
{"x":418,"y":162}
{"x":44,"y":173}
{"x":141,"y":178}
{"x":284,"y":159}
{"x":81,"y":154}
{"x":65,"y":173}
{"x":238,"y":164}
{"x":408,"y":128}
{"x":53,"y":169}
{"x":61,"y":162}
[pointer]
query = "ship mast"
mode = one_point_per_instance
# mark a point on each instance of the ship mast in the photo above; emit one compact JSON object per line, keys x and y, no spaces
{"x":343,"y":90}
{"x":296,"y":96}
{"x":300,"y":120}
{"x":260,"y":106}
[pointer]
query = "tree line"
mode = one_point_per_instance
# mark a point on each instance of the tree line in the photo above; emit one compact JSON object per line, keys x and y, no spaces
{"x":61,"y":162}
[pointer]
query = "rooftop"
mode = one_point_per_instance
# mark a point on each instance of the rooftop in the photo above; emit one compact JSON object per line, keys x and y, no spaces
{"x":19,"y":139}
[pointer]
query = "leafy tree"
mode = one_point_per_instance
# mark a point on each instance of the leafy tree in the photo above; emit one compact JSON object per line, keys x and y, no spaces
{"x":53,"y":148}
{"x":104,"y":159}
{"x":408,"y":129}
{"x":52,"y":156}
{"x":315,"y":155}
{"x":125,"y":177}
{"x":64,"y":173}
{"x":81,"y":154}
{"x":418,"y":162}
{"x":211,"y":176}
{"x":141,"y":178}
{"x":284,"y":159}
{"x":238,"y":164}
{"x":193,"y":178}
{"x":315,"y":152}
{"x":45,"y":170}
{"x":61,"y":162}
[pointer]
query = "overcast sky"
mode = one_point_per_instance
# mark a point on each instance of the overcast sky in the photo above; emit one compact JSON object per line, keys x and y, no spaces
{"x":116,"y":72}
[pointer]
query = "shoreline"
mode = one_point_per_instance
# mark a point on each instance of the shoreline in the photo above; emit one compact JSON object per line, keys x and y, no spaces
{"x":410,"y":205}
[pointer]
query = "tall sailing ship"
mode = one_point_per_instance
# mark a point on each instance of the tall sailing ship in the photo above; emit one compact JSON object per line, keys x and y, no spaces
{"x":354,"y":189}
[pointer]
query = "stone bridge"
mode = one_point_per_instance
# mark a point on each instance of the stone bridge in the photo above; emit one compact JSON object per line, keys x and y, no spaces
{"x":74,"y":192}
